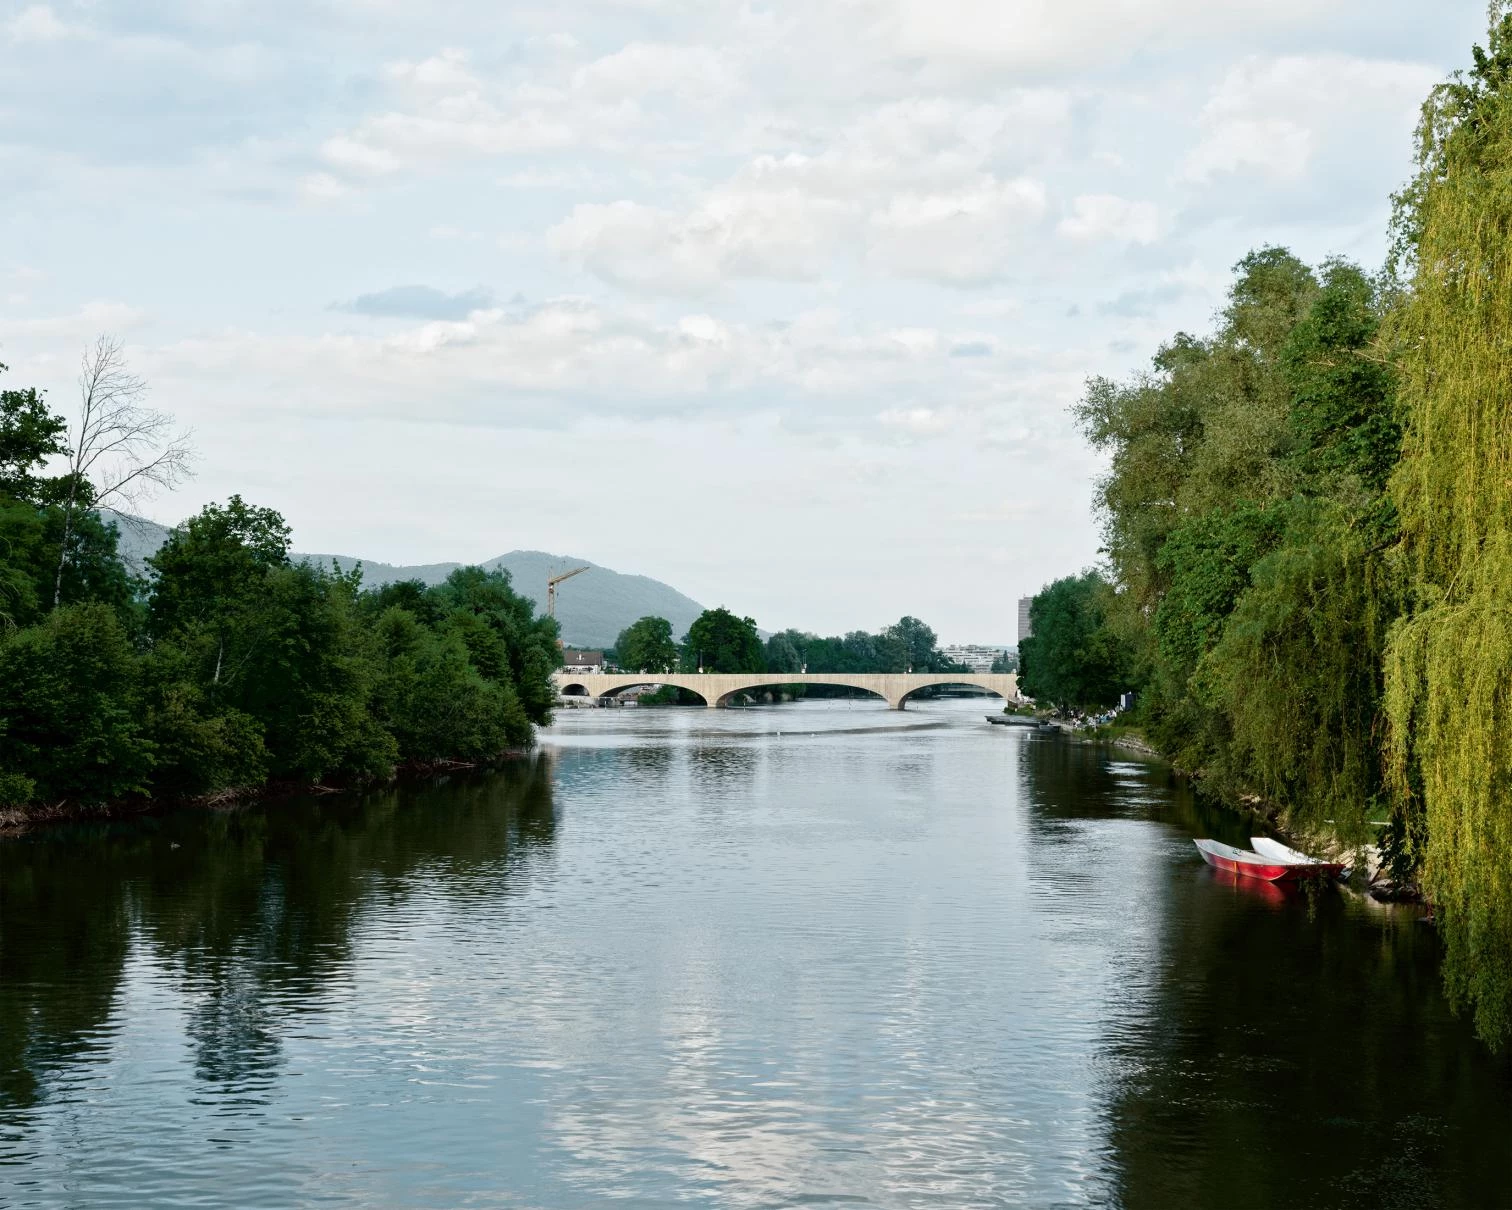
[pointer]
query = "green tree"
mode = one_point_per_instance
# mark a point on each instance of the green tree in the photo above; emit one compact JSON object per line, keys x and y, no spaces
{"x":30,"y":434}
{"x":718,"y":641}
{"x":506,"y":641}
{"x":1074,"y":659}
{"x":917,"y":646}
{"x":1448,"y":696}
{"x":646,"y":646}
{"x":435,"y":703}
{"x":214,"y":565}
{"x":783,"y":653}
{"x":68,"y":715}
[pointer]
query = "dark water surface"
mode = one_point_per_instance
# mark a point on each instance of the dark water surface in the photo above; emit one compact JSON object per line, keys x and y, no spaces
{"x":793,"y":956}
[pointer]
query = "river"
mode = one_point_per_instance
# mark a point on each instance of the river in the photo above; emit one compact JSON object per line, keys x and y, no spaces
{"x":799,"y":955}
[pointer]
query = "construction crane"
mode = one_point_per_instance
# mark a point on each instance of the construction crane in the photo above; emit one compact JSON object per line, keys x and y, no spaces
{"x":551,"y":584}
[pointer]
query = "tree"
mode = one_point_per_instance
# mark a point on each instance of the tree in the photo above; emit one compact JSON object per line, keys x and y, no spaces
{"x":1074,"y":659}
{"x":119,"y":449}
{"x":29,"y":435}
{"x":68,"y":714}
{"x":917,"y":646}
{"x":646,"y":646}
{"x":214,"y":562}
{"x":1448,"y":697}
{"x":783,"y":653}
{"x":1006,"y":661}
{"x":718,"y":641}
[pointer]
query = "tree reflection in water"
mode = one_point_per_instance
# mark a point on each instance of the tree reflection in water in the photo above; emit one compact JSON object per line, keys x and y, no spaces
{"x":252,"y":912}
{"x":1352,"y":1086}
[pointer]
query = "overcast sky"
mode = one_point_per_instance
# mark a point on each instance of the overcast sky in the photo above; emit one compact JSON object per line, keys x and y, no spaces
{"x":783,"y":303}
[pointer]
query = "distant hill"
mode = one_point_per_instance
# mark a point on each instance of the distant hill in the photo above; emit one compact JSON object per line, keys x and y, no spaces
{"x":592,"y":608}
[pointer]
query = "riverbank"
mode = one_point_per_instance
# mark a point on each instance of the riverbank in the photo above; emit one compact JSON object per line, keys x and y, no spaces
{"x":18,"y":820}
{"x":1372,"y":880}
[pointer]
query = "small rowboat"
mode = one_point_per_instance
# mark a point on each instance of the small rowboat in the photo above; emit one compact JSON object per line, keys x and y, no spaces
{"x":1274,"y":850}
{"x":1251,"y":865}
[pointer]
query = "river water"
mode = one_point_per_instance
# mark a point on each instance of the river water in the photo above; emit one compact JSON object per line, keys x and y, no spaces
{"x":801,"y":955}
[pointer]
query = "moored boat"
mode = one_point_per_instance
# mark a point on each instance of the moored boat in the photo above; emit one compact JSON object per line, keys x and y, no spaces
{"x":1237,"y":861}
{"x":1274,"y":850}
{"x":1012,"y":720}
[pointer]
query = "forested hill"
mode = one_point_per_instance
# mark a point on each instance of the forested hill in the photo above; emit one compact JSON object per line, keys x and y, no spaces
{"x":592,"y":608}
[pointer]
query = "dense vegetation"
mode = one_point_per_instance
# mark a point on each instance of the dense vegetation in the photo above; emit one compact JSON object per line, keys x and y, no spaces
{"x":1074,"y":658}
{"x":719,"y":641}
{"x":908,"y":645}
{"x":1308,"y":522}
{"x":232,"y":666}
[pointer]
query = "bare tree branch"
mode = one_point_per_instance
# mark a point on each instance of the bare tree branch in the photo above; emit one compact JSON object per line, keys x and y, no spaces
{"x":121,"y":451}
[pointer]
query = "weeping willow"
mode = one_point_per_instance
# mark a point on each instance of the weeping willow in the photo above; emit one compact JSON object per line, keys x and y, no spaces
{"x":1448,"y":667}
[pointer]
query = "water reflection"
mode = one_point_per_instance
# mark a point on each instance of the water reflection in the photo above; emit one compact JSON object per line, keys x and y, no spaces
{"x":769,"y":957}
{"x":252,"y":913}
{"x":1266,"y":1048}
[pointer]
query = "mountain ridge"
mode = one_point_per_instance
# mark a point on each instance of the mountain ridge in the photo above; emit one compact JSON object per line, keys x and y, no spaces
{"x":591,"y":609}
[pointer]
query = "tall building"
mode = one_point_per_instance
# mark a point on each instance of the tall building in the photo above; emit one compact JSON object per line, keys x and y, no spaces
{"x":1025,"y":628}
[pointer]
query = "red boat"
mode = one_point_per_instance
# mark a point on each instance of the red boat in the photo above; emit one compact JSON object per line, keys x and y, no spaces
{"x":1250,"y":865}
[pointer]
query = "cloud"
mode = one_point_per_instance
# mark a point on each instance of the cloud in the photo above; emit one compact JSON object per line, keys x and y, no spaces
{"x":971,"y":236}
{"x":641,"y":69}
{"x":971,"y":348}
{"x":1061,"y":35}
{"x":1103,"y":216}
{"x":1276,"y":118}
{"x":780,"y":234}
{"x":39,"y":23}
{"x":418,"y":302}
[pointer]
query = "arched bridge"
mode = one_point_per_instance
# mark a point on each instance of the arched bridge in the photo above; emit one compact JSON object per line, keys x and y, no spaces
{"x":718,"y":688}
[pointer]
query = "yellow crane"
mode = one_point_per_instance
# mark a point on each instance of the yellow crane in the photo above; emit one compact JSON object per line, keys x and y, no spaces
{"x":551,"y":585}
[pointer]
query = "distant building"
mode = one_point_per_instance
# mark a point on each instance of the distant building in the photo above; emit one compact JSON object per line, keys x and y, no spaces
{"x":1026,"y":627}
{"x":582,"y":661}
{"x":979,"y":657}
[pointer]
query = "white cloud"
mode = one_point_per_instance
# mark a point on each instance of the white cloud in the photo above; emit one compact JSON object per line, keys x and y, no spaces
{"x":642,"y":69}
{"x":991,"y":199}
{"x":1275,"y":117}
{"x":447,"y":71}
{"x":782,"y":234}
{"x":967,"y":237}
{"x":1051,"y":35}
{"x":39,"y":23}
{"x":499,"y":367}
{"x":918,"y":422}
{"x":1104,"y":216}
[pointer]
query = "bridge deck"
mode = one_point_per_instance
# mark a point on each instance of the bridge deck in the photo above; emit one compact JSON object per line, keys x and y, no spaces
{"x":718,"y":688}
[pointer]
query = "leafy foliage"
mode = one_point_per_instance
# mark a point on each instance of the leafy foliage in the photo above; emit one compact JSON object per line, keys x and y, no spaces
{"x":646,"y":646}
{"x":907,"y":644}
{"x":718,"y":641}
{"x":1448,"y":694}
{"x":234,"y":666}
{"x":1074,"y":658}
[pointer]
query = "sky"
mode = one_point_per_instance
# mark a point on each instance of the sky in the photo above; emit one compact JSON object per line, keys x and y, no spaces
{"x":783,"y":303}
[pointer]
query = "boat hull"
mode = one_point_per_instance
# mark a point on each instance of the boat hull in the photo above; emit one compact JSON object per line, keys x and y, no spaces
{"x":1246,"y":865}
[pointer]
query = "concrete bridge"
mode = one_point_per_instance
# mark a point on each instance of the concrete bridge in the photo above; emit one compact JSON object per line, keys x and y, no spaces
{"x":718,"y":688}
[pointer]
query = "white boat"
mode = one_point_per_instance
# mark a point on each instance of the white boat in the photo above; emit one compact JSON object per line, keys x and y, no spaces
{"x":1274,"y":850}
{"x":1277,"y":851}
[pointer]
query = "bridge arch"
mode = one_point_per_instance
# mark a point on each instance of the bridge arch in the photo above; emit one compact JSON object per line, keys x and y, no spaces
{"x":716,"y":689}
{"x":952,"y":684}
{"x":614,"y":685}
{"x":779,"y":680}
